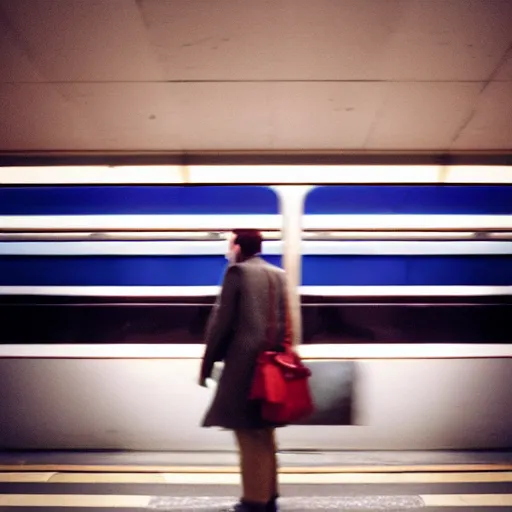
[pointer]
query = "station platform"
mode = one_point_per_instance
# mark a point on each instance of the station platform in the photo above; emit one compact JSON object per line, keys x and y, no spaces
{"x":226,"y":462}
{"x":206,"y":482}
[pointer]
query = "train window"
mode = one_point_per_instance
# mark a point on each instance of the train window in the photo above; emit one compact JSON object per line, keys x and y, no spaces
{"x":404,"y":291}
{"x":407,"y":264}
{"x":59,"y":320}
{"x":108,"y":200}
{"x":112,"y":292}
{"x":121,"y":264}
{"x":382,"y":322}
{"x":420,"y":208}
{"x":410,"y":200}
{"x":101,"y":209}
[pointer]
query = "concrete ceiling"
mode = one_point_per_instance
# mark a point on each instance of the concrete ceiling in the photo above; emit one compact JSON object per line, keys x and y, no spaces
{"x":257,"y":75}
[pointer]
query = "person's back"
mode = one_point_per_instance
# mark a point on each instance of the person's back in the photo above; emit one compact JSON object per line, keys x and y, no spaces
{"x":241,"y":335}
{"x":237,"y":332}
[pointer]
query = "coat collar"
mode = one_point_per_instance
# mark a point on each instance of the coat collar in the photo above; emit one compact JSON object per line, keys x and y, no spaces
{"x":255,"y":260}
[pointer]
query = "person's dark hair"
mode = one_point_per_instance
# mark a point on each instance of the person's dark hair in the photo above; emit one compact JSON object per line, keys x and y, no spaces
{"x":249,"y":240}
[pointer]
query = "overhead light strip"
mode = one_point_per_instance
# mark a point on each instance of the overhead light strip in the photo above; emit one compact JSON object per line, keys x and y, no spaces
{"x":405,"y":235}
{"x":270,"y":247}
{"x":135,"y":236}
{"x":186,"y":223}
{"x":407,"y":222}
{"x":138,"y":222}
{"x":211,"y":291}
{"x":210,"y":237}
{"x":254,"y":174}
{"x":130,"y":248}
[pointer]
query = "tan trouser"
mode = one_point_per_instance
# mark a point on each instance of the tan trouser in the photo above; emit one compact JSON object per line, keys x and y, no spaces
{"x":258,"y":464}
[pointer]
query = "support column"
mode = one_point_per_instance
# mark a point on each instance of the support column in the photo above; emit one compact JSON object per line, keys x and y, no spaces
{"x":292,"y":208}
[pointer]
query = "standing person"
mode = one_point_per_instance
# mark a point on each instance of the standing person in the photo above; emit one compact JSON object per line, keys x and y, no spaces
{"x":236,"y":334}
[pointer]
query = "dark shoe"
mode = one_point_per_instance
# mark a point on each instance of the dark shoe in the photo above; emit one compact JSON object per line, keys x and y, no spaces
{"x":272,"y":505}
{"x":245,"y":506}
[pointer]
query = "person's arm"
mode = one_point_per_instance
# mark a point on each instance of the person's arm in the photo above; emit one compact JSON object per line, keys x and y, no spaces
{"x":221,"y":322}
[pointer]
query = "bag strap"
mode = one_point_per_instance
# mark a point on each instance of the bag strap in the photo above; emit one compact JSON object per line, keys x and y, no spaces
{"x":271,"y":331}
{"x":271,"y":322}
{"x":288,"y":331}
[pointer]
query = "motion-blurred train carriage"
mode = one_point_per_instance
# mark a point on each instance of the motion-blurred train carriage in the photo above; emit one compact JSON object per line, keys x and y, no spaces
{"x":106,"y":285}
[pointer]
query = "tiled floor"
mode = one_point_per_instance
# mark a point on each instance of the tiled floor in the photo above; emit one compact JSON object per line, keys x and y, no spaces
{"x":344,"y":481}
{"x":40,"y":491}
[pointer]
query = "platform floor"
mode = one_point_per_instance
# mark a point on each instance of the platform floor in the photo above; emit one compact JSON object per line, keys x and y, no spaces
{"x":227,"y":461}
{"x":114,"y":491}
{"x":343,"y":481}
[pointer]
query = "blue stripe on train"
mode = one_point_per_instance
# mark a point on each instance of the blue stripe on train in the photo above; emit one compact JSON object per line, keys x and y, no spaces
{"x":150,"y":199}
{"x":114,"y":270}
{"x":407,"y":199}
{"x":406,"y":270}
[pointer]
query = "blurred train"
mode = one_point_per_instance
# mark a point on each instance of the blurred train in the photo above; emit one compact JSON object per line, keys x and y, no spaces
{"x":108,"y":275}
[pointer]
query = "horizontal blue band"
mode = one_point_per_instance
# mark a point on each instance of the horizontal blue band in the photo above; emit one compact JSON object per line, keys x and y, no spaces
{"x":140,"y":200}
{"x":208,"y":270}
{"x":406,"y":270}
{"x":114,"y":270}
{"x":407,"y":199}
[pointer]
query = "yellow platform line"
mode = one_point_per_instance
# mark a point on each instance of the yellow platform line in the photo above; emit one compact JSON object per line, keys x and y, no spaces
{"x":319,"y":479}
{"x":111,"y":468}
{"x":27,"y":477}
{"x":234,"y":479}
{"x":73,"y":500}
{"x":467,"y":500}
{"x":133,"y":501}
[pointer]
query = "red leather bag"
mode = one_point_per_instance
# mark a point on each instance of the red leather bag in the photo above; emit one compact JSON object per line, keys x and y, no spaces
{"x":280,"y":380}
